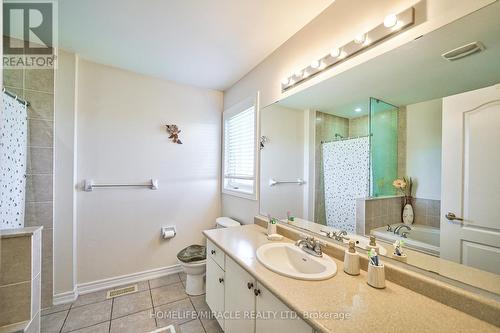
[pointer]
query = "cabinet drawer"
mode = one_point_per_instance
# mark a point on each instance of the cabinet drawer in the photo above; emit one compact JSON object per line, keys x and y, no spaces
{"x":214,"y":252}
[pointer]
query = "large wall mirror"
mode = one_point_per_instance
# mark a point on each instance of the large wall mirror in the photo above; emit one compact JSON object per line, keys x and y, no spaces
{"x":404,"y":147}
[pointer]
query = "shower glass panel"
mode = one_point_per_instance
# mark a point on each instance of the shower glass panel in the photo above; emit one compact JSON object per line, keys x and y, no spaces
{"x":383,"y":147}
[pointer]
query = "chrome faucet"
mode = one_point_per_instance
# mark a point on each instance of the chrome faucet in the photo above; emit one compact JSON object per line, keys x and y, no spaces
{"x":399,"y":227}
{"x":310,"y":245}
{"x":338,"y":236}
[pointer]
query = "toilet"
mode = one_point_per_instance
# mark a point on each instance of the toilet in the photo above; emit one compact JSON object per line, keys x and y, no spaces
{"x":193,"y":260}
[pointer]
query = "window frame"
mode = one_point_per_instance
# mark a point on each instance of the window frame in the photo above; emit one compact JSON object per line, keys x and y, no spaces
{"x":242,"y":106}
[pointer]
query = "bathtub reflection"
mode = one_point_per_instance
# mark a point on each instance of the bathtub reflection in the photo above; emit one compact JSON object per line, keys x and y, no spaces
{"x":421,"y":237}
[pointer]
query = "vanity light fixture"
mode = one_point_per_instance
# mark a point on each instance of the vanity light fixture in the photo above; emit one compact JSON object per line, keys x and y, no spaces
{"x":390,"y":21}
{"x":335,"y":53}
{"x":360,"y":39}
{"x":391,"y":25}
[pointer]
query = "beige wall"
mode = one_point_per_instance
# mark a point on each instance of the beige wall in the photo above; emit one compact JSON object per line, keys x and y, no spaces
{"x":283,"y":159}
{"x":423,"y":148}
{"x":335,"y":26}
{"x":121,"y":137}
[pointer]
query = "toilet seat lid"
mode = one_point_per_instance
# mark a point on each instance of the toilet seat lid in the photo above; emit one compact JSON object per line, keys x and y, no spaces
{"x":192,"y":253}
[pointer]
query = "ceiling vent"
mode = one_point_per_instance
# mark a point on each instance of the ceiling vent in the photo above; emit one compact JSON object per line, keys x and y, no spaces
{"x":463,"y":51}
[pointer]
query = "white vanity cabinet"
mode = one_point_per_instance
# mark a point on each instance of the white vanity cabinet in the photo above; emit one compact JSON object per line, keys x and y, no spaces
{"x":280,"y":318}
{"x":248,"y":306}
{"x":239,"y":299}
{"x":215,"y":282}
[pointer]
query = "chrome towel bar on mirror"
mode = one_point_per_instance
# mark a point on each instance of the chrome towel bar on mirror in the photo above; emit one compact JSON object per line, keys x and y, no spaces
{"x":273,"y":182}
{"x":89,"y":185}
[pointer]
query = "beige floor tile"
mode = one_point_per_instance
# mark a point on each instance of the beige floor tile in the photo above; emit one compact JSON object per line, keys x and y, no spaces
{"x":211,"y":326}
{"x":167,"y":294}
{"x":199,"y":302}
{"x":143,"y":285}
{"x":193,"y":326}
{"x":132,"y":303}
{"x":90,"y":298}
{"x":136,"y":323}
{"x":52,"y":323}
{"x":87,"y":315}
{"x":99,"y":328}
{"x":164,"y":280}
{"x":56,"y":308}
{"x":175,"y":313}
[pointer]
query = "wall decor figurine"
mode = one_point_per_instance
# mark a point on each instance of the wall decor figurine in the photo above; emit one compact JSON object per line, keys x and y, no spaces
{"x":174,"y":131}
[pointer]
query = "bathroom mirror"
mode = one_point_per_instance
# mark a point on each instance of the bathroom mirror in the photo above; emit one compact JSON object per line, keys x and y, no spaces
{"x":376,"y":151}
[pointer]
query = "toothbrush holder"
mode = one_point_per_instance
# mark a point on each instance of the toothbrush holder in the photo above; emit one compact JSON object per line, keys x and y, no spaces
{"x":271,"y":228}
{"x":376,"y":276}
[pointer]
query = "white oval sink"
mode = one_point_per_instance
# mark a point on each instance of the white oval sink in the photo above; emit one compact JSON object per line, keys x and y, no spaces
{"x":289,"y":260}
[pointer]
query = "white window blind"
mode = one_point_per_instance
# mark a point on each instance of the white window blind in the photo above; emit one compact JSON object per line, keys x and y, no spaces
{"x":239,"y":152}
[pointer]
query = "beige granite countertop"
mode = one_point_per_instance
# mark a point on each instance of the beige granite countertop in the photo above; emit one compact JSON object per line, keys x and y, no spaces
{"x":393,"y":309}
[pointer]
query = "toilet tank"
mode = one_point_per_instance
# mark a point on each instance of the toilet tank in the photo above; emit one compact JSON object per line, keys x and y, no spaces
{"x":226,"y":222}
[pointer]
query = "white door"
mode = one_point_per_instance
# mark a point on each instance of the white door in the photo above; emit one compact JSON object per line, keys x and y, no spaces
{"x":215,"y":290}
{"x":239,"y":299}
{"x":274,"y":316}
{"x":471,"y":179}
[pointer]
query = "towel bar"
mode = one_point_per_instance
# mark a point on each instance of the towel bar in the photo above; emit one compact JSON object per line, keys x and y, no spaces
{"x":89,"y":185}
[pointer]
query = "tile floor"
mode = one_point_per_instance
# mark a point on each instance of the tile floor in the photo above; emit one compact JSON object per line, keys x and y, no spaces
{"x":135,"y":313}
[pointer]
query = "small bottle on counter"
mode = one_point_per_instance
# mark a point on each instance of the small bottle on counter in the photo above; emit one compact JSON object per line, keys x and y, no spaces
{"x":351,"y":259}
{"x":373,"y":244}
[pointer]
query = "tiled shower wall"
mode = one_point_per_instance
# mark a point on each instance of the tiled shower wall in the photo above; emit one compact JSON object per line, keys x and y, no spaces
{"x":359,"y":126}
{"x":37,"y":87}
{"x":327,"y":126}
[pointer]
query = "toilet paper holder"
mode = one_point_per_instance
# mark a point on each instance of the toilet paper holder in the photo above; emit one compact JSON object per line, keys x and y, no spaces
{"x":168,"y":232}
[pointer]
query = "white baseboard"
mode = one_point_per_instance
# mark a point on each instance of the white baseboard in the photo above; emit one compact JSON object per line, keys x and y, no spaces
{"x":108,"y":283}
{"x":66,"y":297}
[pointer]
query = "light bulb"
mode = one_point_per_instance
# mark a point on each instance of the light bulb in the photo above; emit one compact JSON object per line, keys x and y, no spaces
{"x":298,"y":73}
{"x":360,"y":39}
{"x":285,"y":81}
{"x":315,"y":64}
{"x":390,"y":21}
{"x":335,"y":53}
{"x":357,"y":110}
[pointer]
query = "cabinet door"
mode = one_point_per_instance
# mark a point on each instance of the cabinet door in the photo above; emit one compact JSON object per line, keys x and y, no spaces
{"x":215,"y":290}
{"x":274,"y":316}
{"x":239,"y":299}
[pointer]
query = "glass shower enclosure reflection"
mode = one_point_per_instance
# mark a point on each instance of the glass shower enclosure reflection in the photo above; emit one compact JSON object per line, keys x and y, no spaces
{"x":384,"y":124}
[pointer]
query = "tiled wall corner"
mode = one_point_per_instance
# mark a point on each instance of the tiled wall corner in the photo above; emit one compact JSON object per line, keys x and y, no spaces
{"x":37,"y":87}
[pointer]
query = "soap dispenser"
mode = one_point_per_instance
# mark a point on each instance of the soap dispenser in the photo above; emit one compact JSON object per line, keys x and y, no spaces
{"x":351,"y":259}
{"x":373,"y":245}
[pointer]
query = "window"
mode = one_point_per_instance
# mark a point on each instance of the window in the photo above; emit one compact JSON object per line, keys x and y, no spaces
{"x":239,"y":150}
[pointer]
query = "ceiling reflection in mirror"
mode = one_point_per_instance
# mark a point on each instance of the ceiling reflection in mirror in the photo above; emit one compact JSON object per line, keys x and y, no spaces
{"x":362,"y":152}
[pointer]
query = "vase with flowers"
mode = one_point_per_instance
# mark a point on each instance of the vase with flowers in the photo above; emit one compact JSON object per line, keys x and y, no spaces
{"x":404,"y":186}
